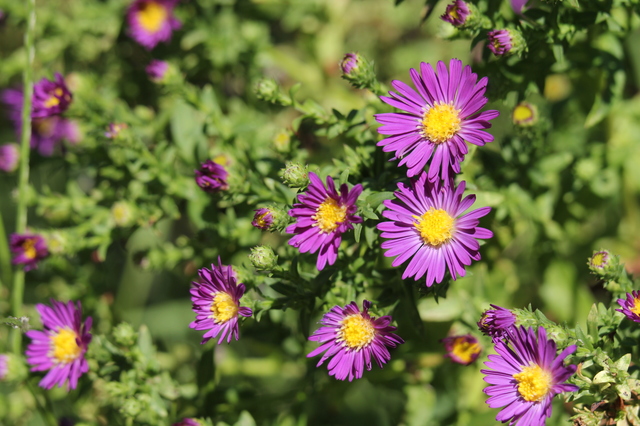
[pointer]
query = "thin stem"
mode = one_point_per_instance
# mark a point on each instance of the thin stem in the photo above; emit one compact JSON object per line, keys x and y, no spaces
{"x":23,"y":178}
{"x":5,"y":257}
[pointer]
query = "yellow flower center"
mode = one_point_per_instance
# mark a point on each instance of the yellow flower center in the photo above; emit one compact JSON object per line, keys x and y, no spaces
{"x":151,"y":16}
{"x":435,"y":226}
{"x":51,"y":102}
{"x":65,"y":347}
{"x":465,"y":350}
{"x":29,"y":247}
{"x":598,"y":260}
{"x":260,"y":219}
{"x":522,"y":113}
{"x":329,"y":215}
{"x":441,"y":122}
{"x":636,"y":306}
{"x":534,"y":383}
{"x":356,"y":332}
{"x":223,"y":307}
{"x":454,"y":13}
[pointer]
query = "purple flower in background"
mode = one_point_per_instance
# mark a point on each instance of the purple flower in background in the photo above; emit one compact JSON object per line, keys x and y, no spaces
{"x":322,"y":216}
{"x":4,"y":368}
{"x":349,"y":63}
{"x":188,"y":422}
{"x":152,"y":21}
{"x":500,"y":42}
{"x":9,"y":156}
{"x":631,"y":306}
{"x":50,"y":97}
{"x":156,"y":70}
{"x":352,"y":338}
{"x":216,"y":302}
{"x":462,"y":349}
{"x":114,"y":129}
{"x":28,"y":250}
{"x":518,"y":5}
{"x":525,"y":375}
{"x":212,"y":177}
{"x":263,"y":219}
{"x":456,"y":13}
{"x":496,"y":322}
{"x":60,"y":348}
{"x":428,"y":225}
{"x":436,"y":121}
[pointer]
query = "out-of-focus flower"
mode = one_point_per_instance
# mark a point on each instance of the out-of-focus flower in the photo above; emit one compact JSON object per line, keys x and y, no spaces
{"x":282,"y":141}
{"x":50,"y":97}
{"x":428,"y":225}
{"x":322,"y":216}
{"x":12,"y":368}
{"x":525,"y":114}
{"x":212,"y":177}
{"x":462,"y":349}
{"x":631,"y":306}
{"x":156,"y":70}
{"x":263,"y":219}
{"x":188,"y":422}
{"x":456,"y":13}
{"x":496,"y":322}
{"x":216,"y":302}
{"x":436,"y":121}
{"x":114,"y":129}
{"x":28,"y":250}
{"x":518,"y":6}
{"x":9,"y":156}
{"x":525,"y":375}
{"x":557,"y":87}
{"x":352,"y":338}
{"x":60,"y":348}
{"x":123,"y":213}
{"x":152,"y":21}
{"x":3,"y":367}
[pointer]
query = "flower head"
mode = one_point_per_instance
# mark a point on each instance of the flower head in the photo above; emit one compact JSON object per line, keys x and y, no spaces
{"x":114,"y":129}
{"x":352,"y":338}
{"x":524,"y":114}
{"x":456,"y":13}
{"x":322,"y":216}
{"x":428,"y":225}
{"x":152,"y":21}
{"x":631,"y":306}
{"x":156,"y":70}
{"x":263,"y":219}
{"x":60,"y":348}
{"x":525,"y":375}
{"x":9,"y":156}
{"x":212,"y":177}
{"x":437,"y":120}
{"x":349,"y":63}
{"x":28,"y":250}
{"x":599,"y":260}
{"x":462,"y":349}
{"x":505,"y":42}
{"x":216,"y":302}
{"x":496,"y":322}
{"x":50,"y":97}
{"x":518,"y":6}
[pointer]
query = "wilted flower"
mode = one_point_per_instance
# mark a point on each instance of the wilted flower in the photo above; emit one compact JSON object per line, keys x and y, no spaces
{"x":525,"y":114}
{"x":349,"y":63}
{"x":216,"y":302}
{"x":156,"y":70}
{"x":9,"y":156}
{"x":428,"y":226}
{"x":631,"y":306}
{"x":152,"y":21}
{"x":462,"y":349}
{"x":212,"y":177}
{"x":436,"y":121}
{"x":525,"y":376}
{"x":263,"y":219}
{"x":114,"y":129}
{"x":456,"y":13}
{"x":60,"y":348}
{"x":496,"y":322}
{"x":50,"y":97}
{"x":352,"y":338}
{"x":28,"y":250}
{"x":322,"y":216}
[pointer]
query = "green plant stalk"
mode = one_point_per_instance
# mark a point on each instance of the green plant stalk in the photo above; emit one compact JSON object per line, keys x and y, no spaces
{"x":23,"y":177}
{"x":5,"y":257}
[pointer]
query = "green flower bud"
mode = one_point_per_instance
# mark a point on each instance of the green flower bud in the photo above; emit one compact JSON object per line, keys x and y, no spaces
{"x":603,"y":263}
{"x":268,"y":90}
{"x":124,"y":334}
{"x":263,"y":258}
{"x":295,"y":175}
{"x":12,"y":368}
{"x":282,"y":141}
{"x":358,"y":71}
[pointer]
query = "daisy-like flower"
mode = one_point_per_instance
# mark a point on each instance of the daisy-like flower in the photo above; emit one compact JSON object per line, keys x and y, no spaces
{"x":462,"y":349}
{"x":60,"y":348}
{"x":456,"y":13}
{"x":50,"y":97}
{"x":352,"y":338}
{"x":525,"y":375}
{"x":495,"y":322}
{"x":152,"y":21}
{"x":263,"y":219}
{"x":156,"y":70}
{"x":500,"y":42}
{"x":28,"y":250}
{"x":428,"y":226}
{"x":437,"y":120}
{"x":631,"y":306}
{"x":212,"y":177}
{"x":322,"y":216}
{"x":216,"y":302}
{"x":9,"y":157}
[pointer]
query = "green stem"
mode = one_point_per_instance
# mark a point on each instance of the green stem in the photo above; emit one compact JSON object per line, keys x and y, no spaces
{"x":23,"y":177}
{"x":5,"y":257}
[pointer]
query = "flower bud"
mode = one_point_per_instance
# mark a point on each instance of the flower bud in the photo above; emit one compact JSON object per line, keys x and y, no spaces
{"x":12,"y":368}
{"x":525,"y":114}
{"x":268,"y":90}
{"x":358,"y":71}
{"x":124,"y":334}
{"x":295,"y":175}
{"x":123,"y":213}
{"x":495,"y":322}
{"x":263,"y":219}
{"x":456,"y":13}
{"x":506,"y":42}
{"x":349,"y":63}
{"x":263,"y":258}
{"x":114,"y":129}
{"x":212,"y":177}
{"x":602,"y":263}
{"x":156,"y":70}
{"x":282,"y":141}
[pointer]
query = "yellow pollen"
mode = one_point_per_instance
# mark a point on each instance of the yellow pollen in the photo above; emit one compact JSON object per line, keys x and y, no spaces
{"x":151,"y":16}
{"x":223,"y":307}
{"x":435,"y":226}
{"x":29,"y":247}
{"x":65,"y":348}
{"x":522,"y":113}
{"x":533,"y":383}
{"x":636,"y":306}
{"x":51,"y":102}
{"x":465,"y":350}
{"x":598,"y":260}
{"x":454,"y":13}
{"x":356,"y":332}
{"x":329,"y":215}
{"x":441,"y":122}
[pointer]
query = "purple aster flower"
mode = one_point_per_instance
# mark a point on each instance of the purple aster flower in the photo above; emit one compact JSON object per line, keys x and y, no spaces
{"x":152,"y":21}
{"x":496,"y":322}
{"x":4,"y":369}
{"x":349,"y":63}
{"x":322,"y":216}
{"x":9,"y":156}
{"x":462,"y":349}
{"x":156,"y":70}
{"x":216,"y":302}
{"x":28,"y":249}
{"x":500,"y":42}
{"x":429,"y":226}
{"x":114,"y":129}
{"x":437,"y":120}
{"x":50,"y":97}
{"x":631,"y":306}
{"x":456,"y":13}
{"x":188,"y":422}
{"x":60,"y":348}
{"x":212,"y":177}
{"x":525,"y":376}
{"x":518,"y":5}
{"x":263,"y":219}
{"x":352,"y":338}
